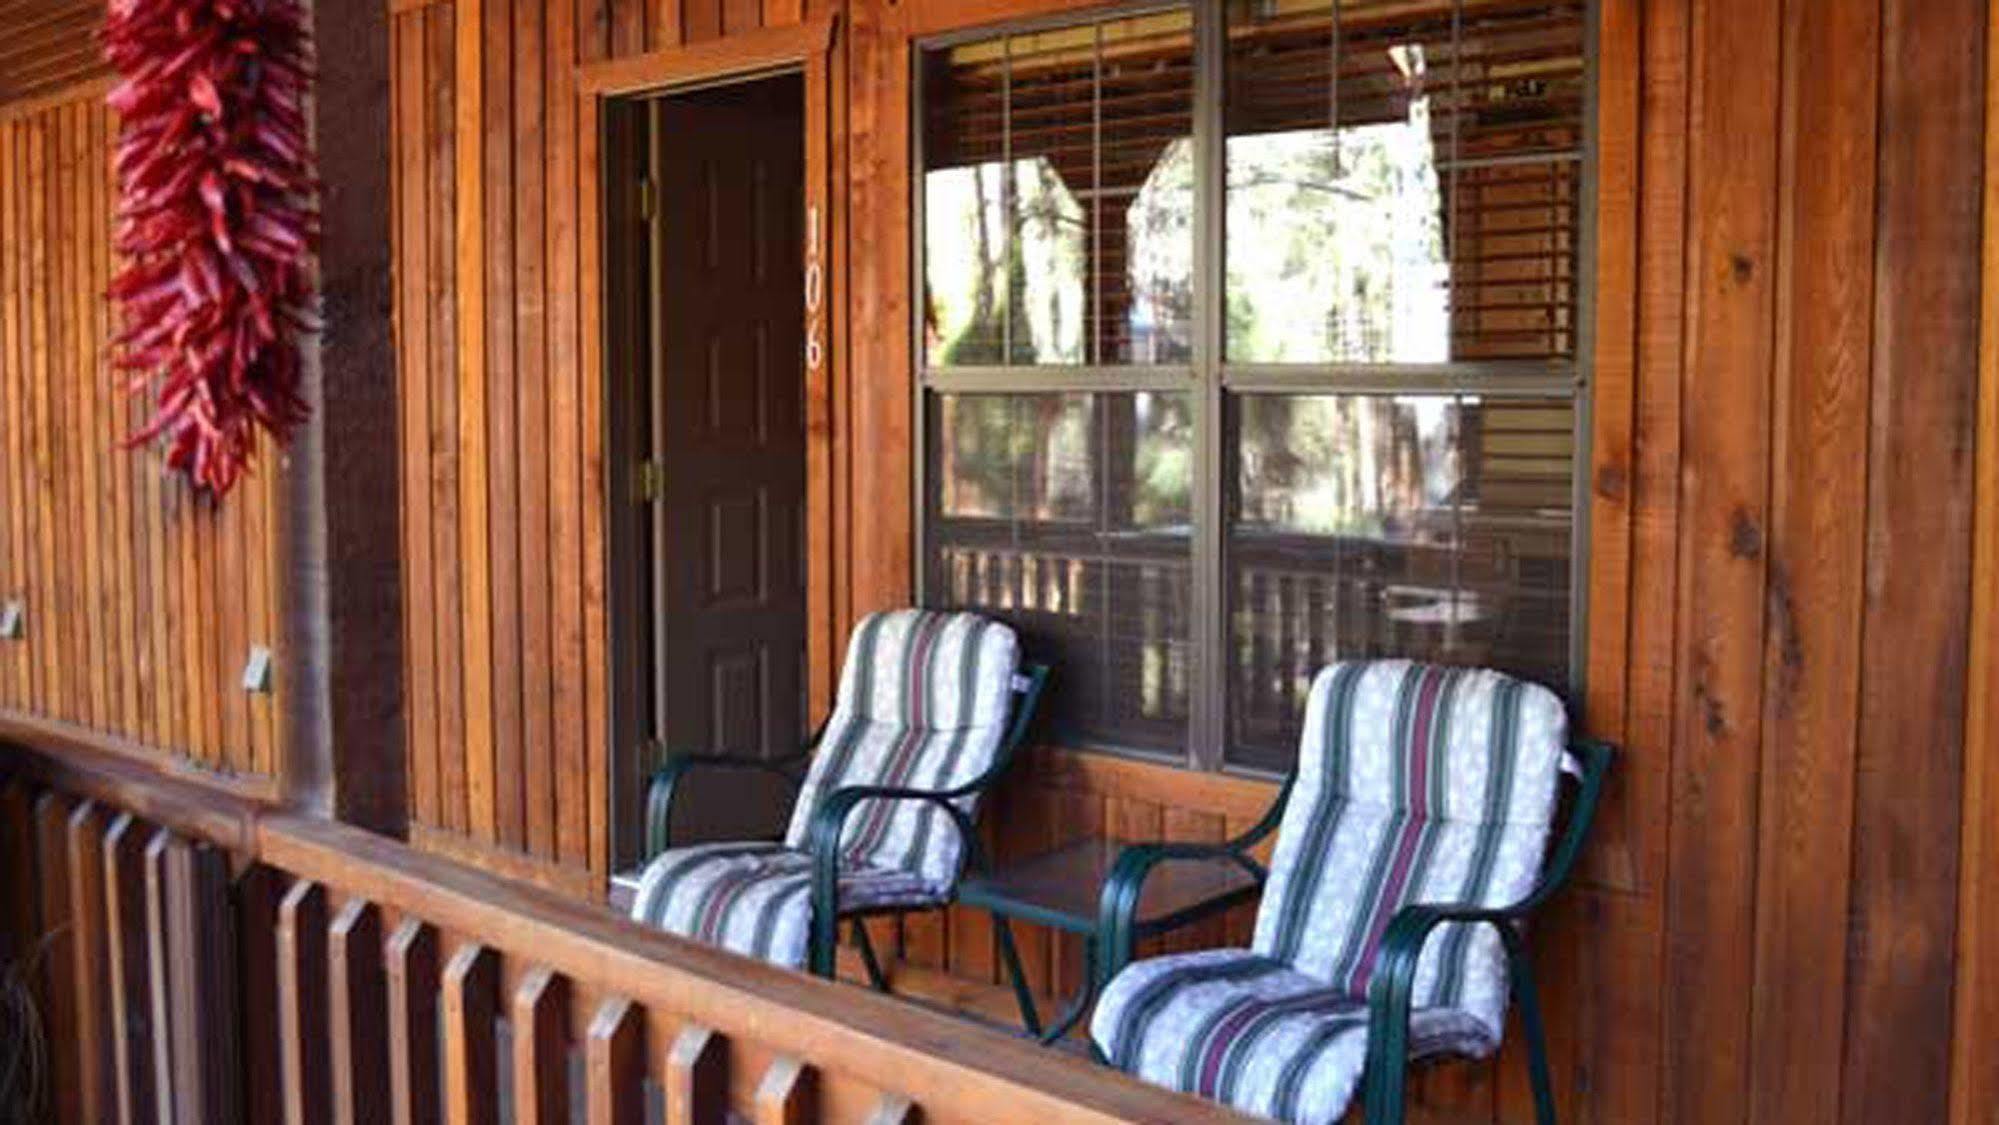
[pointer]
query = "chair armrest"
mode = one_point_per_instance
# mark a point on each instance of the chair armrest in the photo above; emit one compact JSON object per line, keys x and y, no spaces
{"x":829,"y":820}
{"x":829,"y":823}
{"x":1117,"y":904}
{"x":1390,"y":991}
{"x":664,"y":786}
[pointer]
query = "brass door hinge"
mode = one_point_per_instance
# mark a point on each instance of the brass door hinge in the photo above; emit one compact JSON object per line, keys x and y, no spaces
{"x":648,"y":481}
{"x":652,"y":753}
{"x":648,"y":199}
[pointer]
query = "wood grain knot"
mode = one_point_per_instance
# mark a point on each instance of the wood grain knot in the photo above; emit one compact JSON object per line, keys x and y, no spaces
{"x":1745,"y":539}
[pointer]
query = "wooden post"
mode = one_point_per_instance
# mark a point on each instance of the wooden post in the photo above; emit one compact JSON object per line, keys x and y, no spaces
{"x":302,"y":1003}
{"x":358,"y":1026}
{"x":788,"y":1094}
{"x":344,"y":728}
{"x":131,"y":970}
{"x":97,"y":1098}
{"x":697,"y":1077}
{"x":413,"y":984}
{"x":617,"y":1064}
{"x":471,"y":984}
{"x":540,"y":1019}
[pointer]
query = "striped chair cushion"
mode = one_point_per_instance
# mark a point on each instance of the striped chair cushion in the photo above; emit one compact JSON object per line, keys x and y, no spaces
{"x":922,"y":704}
{"x":1416,"y":783}
{"x":755,"y":898}
{"x":1254,"y":1033}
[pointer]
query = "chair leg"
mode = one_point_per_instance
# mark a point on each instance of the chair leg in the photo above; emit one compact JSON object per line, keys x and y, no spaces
{"x":823,"y":938}
{"x":874,"y":967}
{"x":1384,"y":1093}
{"x":1527,"y":997}
{"x":1022,"y":995}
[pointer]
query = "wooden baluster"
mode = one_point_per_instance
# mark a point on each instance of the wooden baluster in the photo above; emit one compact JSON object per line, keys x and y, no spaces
{"x":56,"y":989}
{"x":201,"y":985}
{"x":617,"y":1064}
{"x":302,"y":1003}
{"x":131,"y":970}
{"x":893,"y":1109}
{"x":697,"y":1077}
{"x":471,"y":985}
{"x":158,"y":1049}
{"x":540,"y":1019}
{"x":412,"y":984}
{"x":358,"y":1031}
{"x":18,"y":908}
{"x":259,"y":891}
{"x":788,"y":1093}
{"x":97,"y":1096}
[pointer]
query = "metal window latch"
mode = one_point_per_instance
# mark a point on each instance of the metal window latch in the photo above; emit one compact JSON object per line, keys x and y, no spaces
{"x":13,"y":621}
{"x":257,"y":671}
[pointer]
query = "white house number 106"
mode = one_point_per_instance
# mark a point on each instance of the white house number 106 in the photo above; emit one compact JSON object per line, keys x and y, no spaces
{"x":815,"y":291}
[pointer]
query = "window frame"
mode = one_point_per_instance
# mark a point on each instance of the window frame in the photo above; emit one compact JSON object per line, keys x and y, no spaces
{"x":1210,"y":380}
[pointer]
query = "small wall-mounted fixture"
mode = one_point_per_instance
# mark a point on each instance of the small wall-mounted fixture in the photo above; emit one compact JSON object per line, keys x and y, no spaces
{"x":13,"y":621}
{"x":257,"y":671}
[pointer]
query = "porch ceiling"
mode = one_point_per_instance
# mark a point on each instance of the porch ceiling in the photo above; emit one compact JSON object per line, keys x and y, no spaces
{"x":46,"y":45}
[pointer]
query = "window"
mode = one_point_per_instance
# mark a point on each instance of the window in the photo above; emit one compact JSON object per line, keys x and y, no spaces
{"x":1250,"y":340}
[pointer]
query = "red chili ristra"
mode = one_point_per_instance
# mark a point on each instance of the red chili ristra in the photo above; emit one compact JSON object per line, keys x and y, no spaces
{"x":217,"y":223}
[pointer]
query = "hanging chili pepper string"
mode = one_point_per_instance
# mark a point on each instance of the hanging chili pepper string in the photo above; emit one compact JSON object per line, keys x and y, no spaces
{"x":216,"y":224}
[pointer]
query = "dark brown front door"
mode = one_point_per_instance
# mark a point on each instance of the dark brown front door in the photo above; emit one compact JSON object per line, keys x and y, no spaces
{"x":728,"y":437}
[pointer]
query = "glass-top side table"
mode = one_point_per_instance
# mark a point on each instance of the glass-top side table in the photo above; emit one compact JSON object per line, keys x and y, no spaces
{"x":1064,"y":889}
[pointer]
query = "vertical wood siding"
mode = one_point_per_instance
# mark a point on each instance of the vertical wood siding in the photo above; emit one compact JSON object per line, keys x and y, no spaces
{"x":1780,"y":567}
{"x":1780,"y":920}
{"x":142,"y":600}
{"x":503,"y":460}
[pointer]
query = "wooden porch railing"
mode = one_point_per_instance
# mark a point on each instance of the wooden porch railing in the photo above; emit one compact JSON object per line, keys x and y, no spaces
{"x":200,"y":957}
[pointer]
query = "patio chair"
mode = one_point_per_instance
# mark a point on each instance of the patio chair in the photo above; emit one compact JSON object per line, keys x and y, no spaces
{"x":1409,"y":852}
{"x":930,"y":709}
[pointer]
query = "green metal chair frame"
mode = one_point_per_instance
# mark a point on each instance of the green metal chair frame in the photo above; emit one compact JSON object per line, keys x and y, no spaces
{"x":1394,"y":980}
{"x":830,"y":818}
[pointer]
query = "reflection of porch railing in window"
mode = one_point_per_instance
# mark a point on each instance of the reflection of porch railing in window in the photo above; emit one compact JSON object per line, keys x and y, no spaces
{"x":1298,"y":602}
{"x":1116,"y":620}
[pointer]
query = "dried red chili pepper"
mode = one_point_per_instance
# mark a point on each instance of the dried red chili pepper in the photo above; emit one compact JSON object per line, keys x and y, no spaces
{"x":217,"y":223}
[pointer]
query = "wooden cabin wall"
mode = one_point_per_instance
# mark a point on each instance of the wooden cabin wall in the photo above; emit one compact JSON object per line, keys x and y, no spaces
{"x":1780,"y":919}
{"x":141,"y":600}
{"x":503,"y":469}
{"x":1783,"y":918}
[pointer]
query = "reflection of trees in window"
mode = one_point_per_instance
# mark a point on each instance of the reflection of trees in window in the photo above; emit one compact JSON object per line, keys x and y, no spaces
{"x":1345,"y":465}
{"x":1045,"y":275}
{"x":1336,"y":246}
{"x":1160,"y":225}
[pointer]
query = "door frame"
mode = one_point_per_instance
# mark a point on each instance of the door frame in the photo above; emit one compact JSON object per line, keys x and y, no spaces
{"x":806,"y":48}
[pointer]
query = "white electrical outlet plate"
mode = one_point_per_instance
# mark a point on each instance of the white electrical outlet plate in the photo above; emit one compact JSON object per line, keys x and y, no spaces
{"x":257,"y":670}
{"x":13,"y":621}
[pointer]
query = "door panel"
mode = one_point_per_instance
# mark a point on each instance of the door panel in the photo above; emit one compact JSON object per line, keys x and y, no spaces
{"x":729,"y":435}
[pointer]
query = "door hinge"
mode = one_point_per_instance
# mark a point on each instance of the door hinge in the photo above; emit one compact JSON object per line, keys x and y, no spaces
{"x":648,"y":198}
{"x":648,"y":481}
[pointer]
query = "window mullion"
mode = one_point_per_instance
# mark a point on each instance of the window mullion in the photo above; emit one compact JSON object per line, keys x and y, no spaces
{"x":1207,"y":658}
